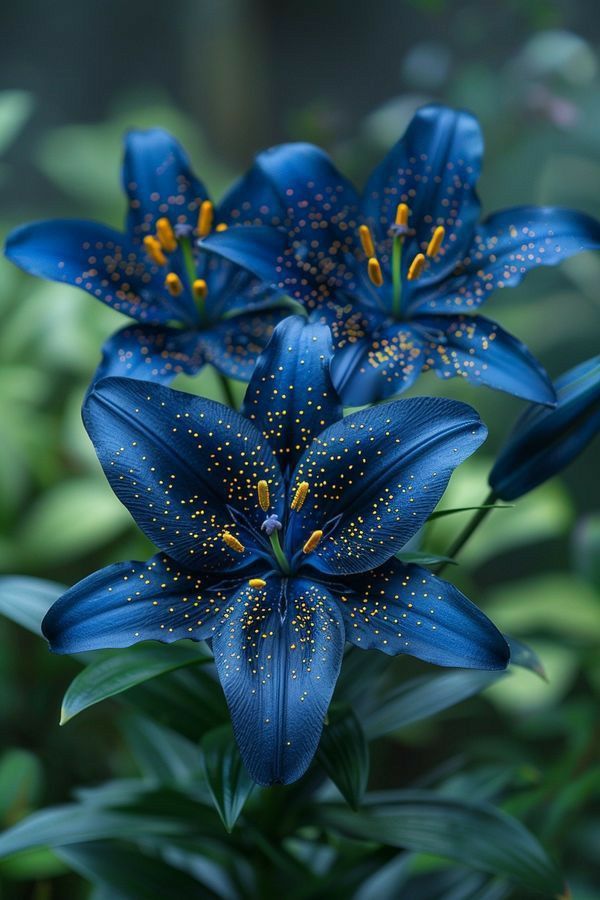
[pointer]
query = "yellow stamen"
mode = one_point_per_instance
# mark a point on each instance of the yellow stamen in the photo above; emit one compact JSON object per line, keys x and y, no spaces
{"x":434,"y":245}
{"x":402,"y":214}
{"x":366,"y":240}
{"x":300,"y":496}
{"x":232,"y":542}
{"x":166,"y":235}
{"x":257,"y":583}
{"x":200,"y":289}
{"x":205,"y":218}
{"x":312,"y":542}
{"x":416,"y":267}
{"x":173,"y":284}
{"x":221,"y":227}
{"x":154,"y":250}
{"x":375,"y":273}
{"x":263,"y":495}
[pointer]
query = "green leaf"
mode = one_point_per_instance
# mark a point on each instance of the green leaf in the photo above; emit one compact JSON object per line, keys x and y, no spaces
{"x":27,"y":600}
{"x":522,"y":655}
{"x":72,"y":824}
{"x":160,"y":752}
{"x":344,"y":754}
{"x":422,"y":697}
{"x":123,"y":670}
{"x":475,"y":834}
{"x":440,"y":513}
{"x":586,"y":549}
{"x":132,"y":873}
{"x":228,"y":782}
{"x":15,"y":109}
{"x":422,"y":558}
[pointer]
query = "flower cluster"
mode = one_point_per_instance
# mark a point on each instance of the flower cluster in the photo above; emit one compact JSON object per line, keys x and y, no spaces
{"x":280,"y":528}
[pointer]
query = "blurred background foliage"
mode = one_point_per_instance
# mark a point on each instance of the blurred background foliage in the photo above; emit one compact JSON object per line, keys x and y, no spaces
{"x":229,"y":78}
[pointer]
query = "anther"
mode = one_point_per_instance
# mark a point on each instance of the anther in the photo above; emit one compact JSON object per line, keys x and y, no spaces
{"x":366,"y":240}
{"x":173,"y":284}
{"x":434,"y":245}
{"x":200,"y":289}
{"x":257,"y":583}
{"x":402,"y":214}
{"x":166,"y":235}
{"x":312,"y":542}
{"x":154,"y":250}
{"x":221,"y":227}
{"x":263,"y":495}
{"x":299,"y":496}
{"x":375,"y":273}
{"x":416,"y":267}
{"x":205,"y":218}
{"x":232,"y":542}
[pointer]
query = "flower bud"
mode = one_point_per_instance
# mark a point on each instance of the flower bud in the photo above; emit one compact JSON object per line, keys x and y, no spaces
{"x":544,"y":441}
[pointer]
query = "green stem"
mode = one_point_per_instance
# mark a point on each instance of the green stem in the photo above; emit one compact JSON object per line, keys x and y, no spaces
{"x":397,"y":276}
{"x":227,"y":390}
{"x":279,"y":554}
{"x":468,"y":530}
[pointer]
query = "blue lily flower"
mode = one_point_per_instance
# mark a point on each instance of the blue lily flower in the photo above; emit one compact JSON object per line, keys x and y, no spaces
{"x":190,"y":308}
{"x":277,"y":531}
{"x":400,"y":273}
{"x":544,"y":441}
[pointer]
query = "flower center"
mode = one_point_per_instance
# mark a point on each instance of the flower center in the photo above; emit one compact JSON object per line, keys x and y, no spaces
{"x":398,"y":231}
{"x":272,"y":525}
{"x":167,"y":239}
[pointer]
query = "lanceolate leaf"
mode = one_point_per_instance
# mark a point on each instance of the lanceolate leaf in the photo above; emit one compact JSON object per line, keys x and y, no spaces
{"x":27,"y":600}
{"x":422,"y":697}
{"x":478,"y":835}
{"x":344,"y":754}
{"x":422,"y":558}
{"x":123,"y":670}
{"x":228,"y":782}
{"x":440,"y":513}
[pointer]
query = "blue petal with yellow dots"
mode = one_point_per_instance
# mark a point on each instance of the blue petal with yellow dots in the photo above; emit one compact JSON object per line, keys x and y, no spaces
{"x":290,"y":397}
{"x":401,"y":608}
{"x":132,"y":601}
{"x":375,"y":476}
{"x":278,"y":653}
{"x":150,"y":353}
{"x":477,"y":349}
{"x":179,"y":463}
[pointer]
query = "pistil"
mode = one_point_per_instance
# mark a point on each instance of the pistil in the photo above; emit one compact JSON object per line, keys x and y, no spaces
{"x":401,"y":226}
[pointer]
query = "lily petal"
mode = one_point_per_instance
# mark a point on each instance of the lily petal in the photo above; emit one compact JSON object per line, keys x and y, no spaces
{"x":278,"y":654}
{"x":433,"y":169}
{"x":159,"y":182}
{"x":151,"y":353}
{"x":375,"y":476}
{"x":187,"y":469}
{"x":405,"y":609}
{"x":129,"y":602}
{"x":290,"y":397}
{"x":234,"y":344}
{"x":507,"y":246}
{"x":99,"y":260}
{"x":479,"y":350}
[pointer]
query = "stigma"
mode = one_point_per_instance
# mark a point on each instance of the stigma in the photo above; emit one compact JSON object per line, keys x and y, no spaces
{"x":232,"y":542}
{"x":300,"y":496}
{"x":313,"y":542}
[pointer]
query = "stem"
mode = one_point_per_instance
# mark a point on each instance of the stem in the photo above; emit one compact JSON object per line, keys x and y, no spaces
{"x":227,"y":390}
{"x":279,"y":554}
{"x":397,"y":276}
{"x":468,"y":530}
